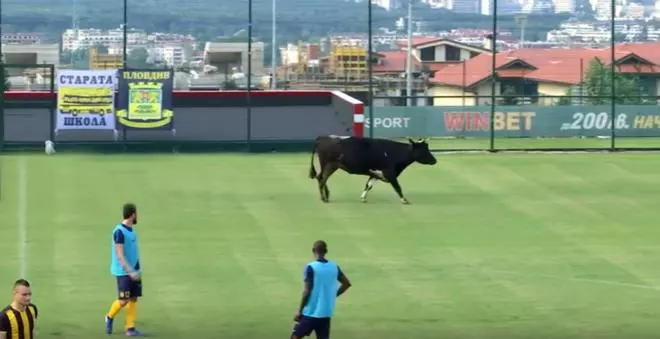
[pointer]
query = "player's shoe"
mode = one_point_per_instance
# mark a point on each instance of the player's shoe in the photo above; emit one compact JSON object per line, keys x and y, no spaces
{"x":108,"y":325}
{"x":132,"y":332}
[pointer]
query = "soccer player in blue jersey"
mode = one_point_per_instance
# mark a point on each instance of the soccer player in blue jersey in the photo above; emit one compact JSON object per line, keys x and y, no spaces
{"x":319,"y":295}
{"x":125,"y":266}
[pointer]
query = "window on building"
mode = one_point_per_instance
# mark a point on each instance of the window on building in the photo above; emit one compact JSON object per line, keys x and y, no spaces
{"x":648,"y":86}
{"x":452,"y":53}
{"x":428,"y":54}
{"x":520,"y":90}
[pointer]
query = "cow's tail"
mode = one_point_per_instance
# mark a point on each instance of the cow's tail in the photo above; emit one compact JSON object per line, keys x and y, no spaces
{"x":312,"y":170}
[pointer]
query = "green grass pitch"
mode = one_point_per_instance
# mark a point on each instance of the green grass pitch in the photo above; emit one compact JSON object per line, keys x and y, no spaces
{"x":493,"y":246}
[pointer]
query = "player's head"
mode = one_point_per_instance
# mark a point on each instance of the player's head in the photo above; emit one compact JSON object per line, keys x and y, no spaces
{"x":22,"y":292}
{"x":320,"y":249}
{"x":130,"y":213}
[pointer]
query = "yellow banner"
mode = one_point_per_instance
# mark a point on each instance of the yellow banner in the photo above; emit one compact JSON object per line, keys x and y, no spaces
{"x":145,"y":99}
{"x":85,"y":100}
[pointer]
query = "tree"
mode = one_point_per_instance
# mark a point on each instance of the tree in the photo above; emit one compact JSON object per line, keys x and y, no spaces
{"x":620,"y":37}
{"x":100,"y":48}
{"x":138,"y":58}
{"x":78,"y":59}
{"x":6,"y":84}
{"x":598,"y":86}
{"x":567,"y":99}
{"x":296,"y":19}
{"x":509,"y":96}
{"x":229,"y":84}
{"x":583,"y":9}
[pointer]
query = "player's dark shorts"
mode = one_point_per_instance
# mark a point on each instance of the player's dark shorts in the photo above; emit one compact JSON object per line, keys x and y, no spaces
{"x":307,"y":325}
{"x":128,"y":288}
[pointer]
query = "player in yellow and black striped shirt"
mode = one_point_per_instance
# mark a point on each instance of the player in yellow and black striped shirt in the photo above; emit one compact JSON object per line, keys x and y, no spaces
{"x":17,"y":321}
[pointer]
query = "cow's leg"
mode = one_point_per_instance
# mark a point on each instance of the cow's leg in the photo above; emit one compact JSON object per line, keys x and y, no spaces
{"x":367,"y":187}
{"x":392,"y":179}
{"x":322,"y":190}
{"x":378,"y":174}
{"x":326,"y":191}
{"x":327,"y":171}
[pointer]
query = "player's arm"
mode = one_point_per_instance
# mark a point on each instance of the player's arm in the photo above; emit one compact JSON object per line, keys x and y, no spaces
{"x":4,"y":326}
{"x":36,"y":323}
{"x":307,"y":290}
{"x":118,"y":237}
{"x":345,"y":284}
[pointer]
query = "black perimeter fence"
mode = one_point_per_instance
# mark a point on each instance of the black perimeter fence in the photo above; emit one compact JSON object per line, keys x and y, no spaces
{"x":517,"y":103}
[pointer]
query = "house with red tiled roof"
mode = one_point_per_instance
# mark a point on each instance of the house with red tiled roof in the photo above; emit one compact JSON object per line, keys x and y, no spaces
{"x":536,"y":72}
{"x":428,"y":53}
{"x":350,"y":64}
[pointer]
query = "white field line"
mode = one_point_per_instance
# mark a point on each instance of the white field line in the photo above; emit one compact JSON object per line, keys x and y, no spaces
{"x":640,"y":151}
{"x":573,"y":279}
{"x":22,"y":217}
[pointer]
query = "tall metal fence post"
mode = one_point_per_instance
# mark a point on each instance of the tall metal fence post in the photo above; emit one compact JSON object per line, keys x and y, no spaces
{"x":613,"y":78}
{"x":125,"y":34}
{"x":53,"y":110}
{"x":370,"y":99}
{"x":493,"y":76}
{"x":249,"y":79}
{"x":273,"y":48}
{"x":124,"y":137}
{"x":124,"y":130}
{"x":2,"y":106}
{"x":2,"y":95}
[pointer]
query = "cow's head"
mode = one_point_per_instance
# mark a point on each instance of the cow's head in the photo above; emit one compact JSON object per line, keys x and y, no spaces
{"x":421,"y":153}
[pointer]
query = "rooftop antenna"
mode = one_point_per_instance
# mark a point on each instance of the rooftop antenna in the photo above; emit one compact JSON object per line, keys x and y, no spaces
{"x":74,"y":26}
{"x":521,"y":21}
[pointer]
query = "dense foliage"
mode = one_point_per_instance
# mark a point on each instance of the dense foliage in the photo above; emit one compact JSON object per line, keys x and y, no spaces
{"x":5,"y":84}
{"x":207,"y":19}
{"x":597,"y":84}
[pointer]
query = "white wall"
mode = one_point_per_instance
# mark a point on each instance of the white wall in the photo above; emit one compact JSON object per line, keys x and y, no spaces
{"x":46,"y":53}
{"x":257,"y":53}
{"x":485,"y":90}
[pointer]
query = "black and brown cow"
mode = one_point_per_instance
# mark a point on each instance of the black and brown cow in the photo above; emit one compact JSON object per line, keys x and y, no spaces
{"x":379,"y":159}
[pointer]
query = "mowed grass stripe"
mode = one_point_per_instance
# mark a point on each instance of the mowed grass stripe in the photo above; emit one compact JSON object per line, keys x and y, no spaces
{"x":342,"y":226}
{"x":498,"y":289}
{"x":497,"y":180}
{"x":571,"y":208}
{"x":608,"y":226}
{"x":370,"y":267}
{"x":417,"y":278}
{"x":208,"y":230}
{"x":489,"y":249}
{"x":65,"y":255}
{"x":9,"y":267}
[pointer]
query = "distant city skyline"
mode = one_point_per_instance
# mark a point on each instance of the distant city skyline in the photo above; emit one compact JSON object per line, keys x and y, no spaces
{"x":625,"y":9}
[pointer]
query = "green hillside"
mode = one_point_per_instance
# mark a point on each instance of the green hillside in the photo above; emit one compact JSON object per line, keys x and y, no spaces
{"x":209,"y":18}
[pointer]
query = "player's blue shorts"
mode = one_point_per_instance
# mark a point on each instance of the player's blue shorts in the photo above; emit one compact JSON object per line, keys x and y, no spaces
{"x":128,"y":288}
{"x":307,"y":325}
